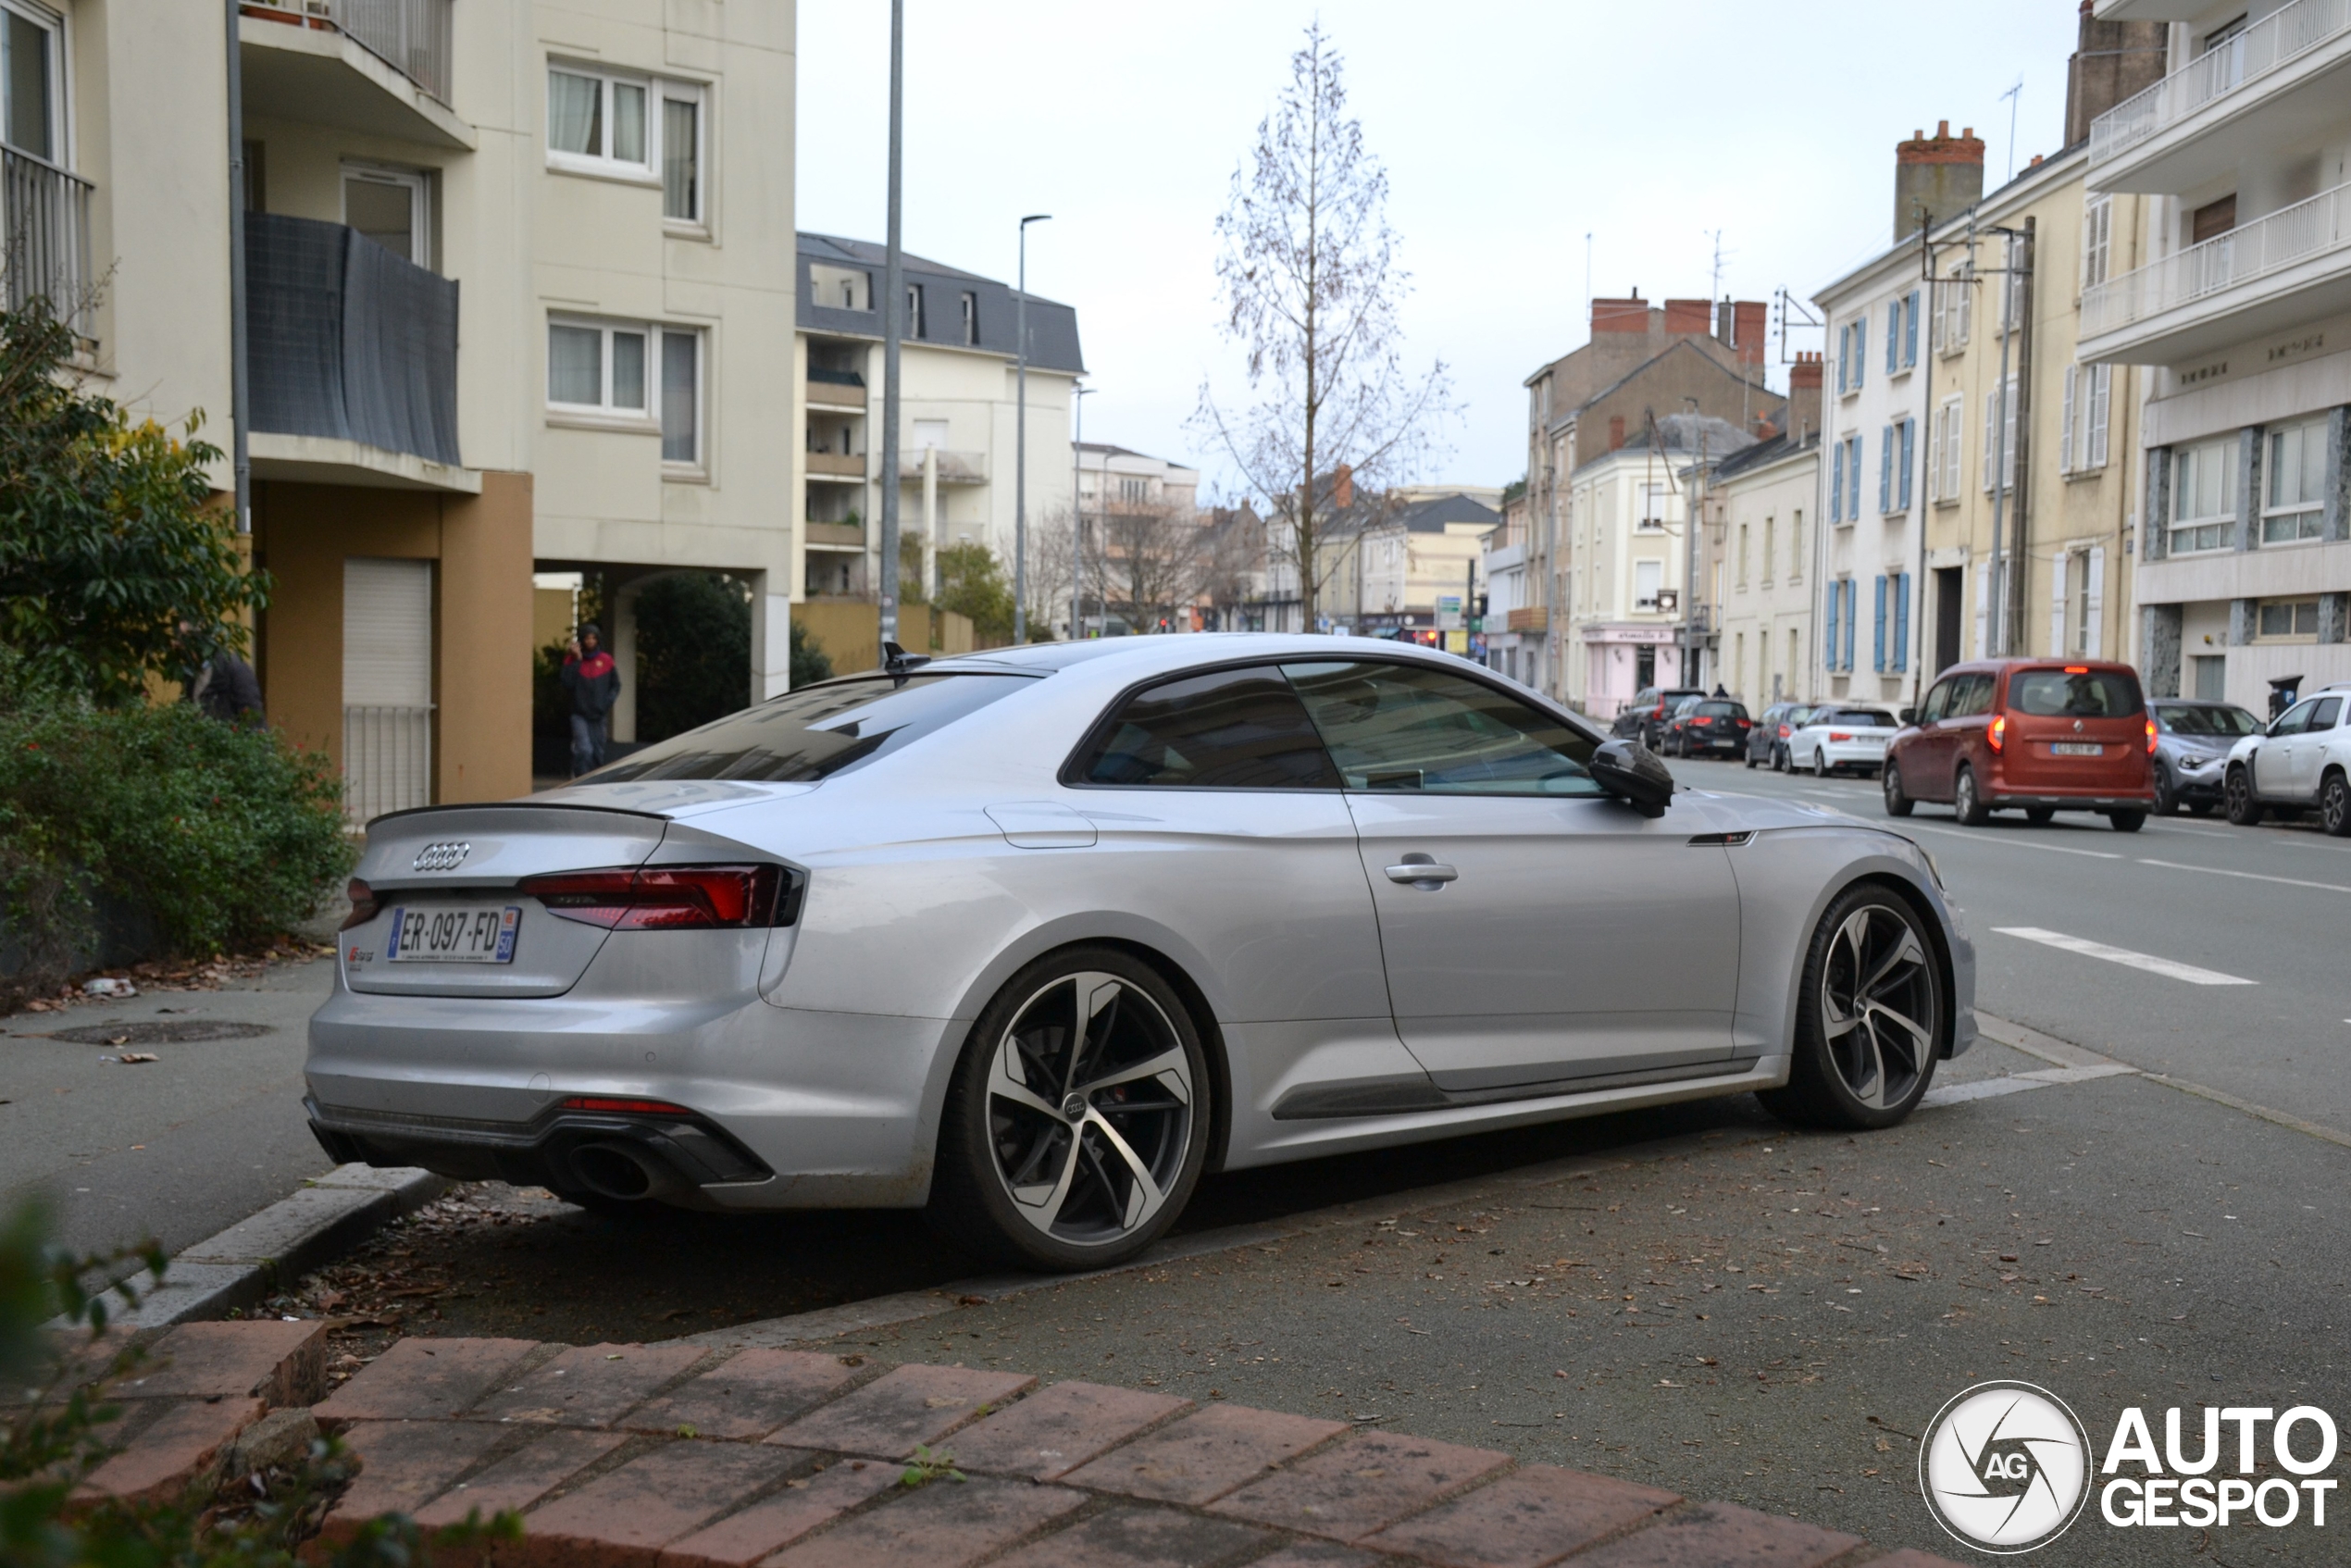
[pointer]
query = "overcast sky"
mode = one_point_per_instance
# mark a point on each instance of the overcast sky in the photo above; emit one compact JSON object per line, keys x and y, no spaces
{"x":1508,"y":130}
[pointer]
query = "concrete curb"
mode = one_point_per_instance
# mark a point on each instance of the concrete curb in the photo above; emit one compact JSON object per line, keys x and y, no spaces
{"x":240,"y":1266}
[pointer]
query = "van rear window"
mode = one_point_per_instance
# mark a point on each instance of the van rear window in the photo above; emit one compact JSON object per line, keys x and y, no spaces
{"x":2076,"y":694}
{"x":815,"y":732}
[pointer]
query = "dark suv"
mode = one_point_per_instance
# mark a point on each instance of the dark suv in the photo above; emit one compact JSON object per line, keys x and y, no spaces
{"x":1646,"y":714}
{"x":2029,"y":734}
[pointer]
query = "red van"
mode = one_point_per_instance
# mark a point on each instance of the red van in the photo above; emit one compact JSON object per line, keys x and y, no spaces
{"x":2036,"y":735}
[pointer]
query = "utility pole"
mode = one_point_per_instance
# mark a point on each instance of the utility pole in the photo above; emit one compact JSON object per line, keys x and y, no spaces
{"x":1996,"y":611}
{"x":1020,"y":438}
{"x":2013,"y":639}
{"x":1077,"y":506}
{"x":239,"y":413}
{"x":894,"y":325}
{"x":1924,"y":497}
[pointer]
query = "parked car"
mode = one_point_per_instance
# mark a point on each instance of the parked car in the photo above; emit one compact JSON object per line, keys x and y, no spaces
{"x":1767,"y":742}
{"x":1644,"y":717}
{"x":1833,"y":738}
{"x":1035,"y":937}
{"x":2030,"y":734}
{"x":2191,"y":744}
{"x":2301,"y":762}
{"x":1706,"y":728}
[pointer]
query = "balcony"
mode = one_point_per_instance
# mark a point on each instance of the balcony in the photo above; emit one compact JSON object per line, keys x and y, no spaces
{"x":848,"y":466}
{"x":2275,"y":272}
{"x":2278,"y":83}
{"x":46,"y":217}
{"x":954,"y":468}
{"x":353,"y":360}
{"x":380,"y":67}
{"x":836,"y":389}
{"x":833,"y":536}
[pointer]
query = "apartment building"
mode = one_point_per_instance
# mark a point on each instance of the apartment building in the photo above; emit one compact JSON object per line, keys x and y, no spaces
{"x":1642,"y":363}
{"x":1765,"y":501}
{"x":2239,"y":307}
{"x":1141,"y":532}
{"x":1419,"y":566}
{"x":515,"y":300}
{"x":958,"y":410}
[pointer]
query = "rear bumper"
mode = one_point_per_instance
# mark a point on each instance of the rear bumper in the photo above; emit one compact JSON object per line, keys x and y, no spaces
{"x":2074,"y":800}
{"x":558,"y":1149}
{"x":1853,"y":754}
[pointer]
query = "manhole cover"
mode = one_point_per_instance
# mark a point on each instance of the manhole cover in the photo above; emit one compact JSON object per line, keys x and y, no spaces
{"x":172,"y":1032}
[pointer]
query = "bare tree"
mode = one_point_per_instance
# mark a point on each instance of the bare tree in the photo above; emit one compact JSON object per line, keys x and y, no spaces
{"x":1308,"y":274}
{"x":1155,"y":561}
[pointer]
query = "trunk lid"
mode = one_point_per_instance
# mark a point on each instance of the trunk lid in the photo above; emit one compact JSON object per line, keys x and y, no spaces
{"x":2055,"y":713}
{"x":462,"y":863}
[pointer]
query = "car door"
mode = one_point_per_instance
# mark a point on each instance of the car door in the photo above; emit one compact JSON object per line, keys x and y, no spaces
{"x":1534,"y":930}
{"x":1925,"y":756}
{"x":1221,"y":816}
{"x":2305,"y":751}
{"x":2275,"y":764}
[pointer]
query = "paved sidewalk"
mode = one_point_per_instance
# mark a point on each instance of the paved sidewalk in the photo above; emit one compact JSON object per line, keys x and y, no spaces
{"x":673,"y":1456}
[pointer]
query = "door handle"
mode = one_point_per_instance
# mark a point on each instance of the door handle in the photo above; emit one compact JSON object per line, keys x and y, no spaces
{"x":1425,"y":873}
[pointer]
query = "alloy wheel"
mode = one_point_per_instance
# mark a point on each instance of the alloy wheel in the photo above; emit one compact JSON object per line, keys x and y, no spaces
{"x":1880,"y":1006}
{"x":1090,"y":1101}
{"x":2334,"y":806}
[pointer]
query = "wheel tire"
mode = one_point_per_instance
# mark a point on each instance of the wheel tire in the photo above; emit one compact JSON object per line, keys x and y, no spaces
{"x":2335,"y":804}
{"x":1142,"y":1137}
{"x":2243,"y":810}
{"x":1750,"y":762}
{"x":1966,"y":804}
{"x":1874,"y":983}
{"x":2166,"y":793}
{"x":1890,"y":784}
{"x":2127,"y":821}
{"x":2040,"y":816}
{"x":2199,"y":808}
{"x":1821,"y":768}
{"x":1779,"y":758}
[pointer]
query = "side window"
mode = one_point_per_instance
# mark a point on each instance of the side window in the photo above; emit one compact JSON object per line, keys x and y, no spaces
{"x":1404,"y":727}
{"x":2324,"y":716}
{"x":2295,"y":720}
{"x":1227,"y":730}
{"x":1938,"y":701}
{"x":1971,"y":695}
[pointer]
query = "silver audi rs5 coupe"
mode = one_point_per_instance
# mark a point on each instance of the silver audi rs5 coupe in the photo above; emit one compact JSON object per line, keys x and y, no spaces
{"x":1035,"y":937}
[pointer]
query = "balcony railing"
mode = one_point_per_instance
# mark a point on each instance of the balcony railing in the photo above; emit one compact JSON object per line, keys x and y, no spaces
{"x":46,"y":213}
{"x":387,"y":760}
{"x":411,"y":36}
{"x":2276,"y":39}
{"x":2264,"y":246}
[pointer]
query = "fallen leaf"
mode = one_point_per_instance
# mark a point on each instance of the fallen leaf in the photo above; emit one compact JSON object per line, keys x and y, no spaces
{"x":134,"y":1056}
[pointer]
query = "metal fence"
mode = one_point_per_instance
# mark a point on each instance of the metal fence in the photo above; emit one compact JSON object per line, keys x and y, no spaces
{"x":387,"y":760}
{"x":47,"y":219}
{"x":2276,"y":39}
{"x":2254,"y":250}
{"x":411,"y":36}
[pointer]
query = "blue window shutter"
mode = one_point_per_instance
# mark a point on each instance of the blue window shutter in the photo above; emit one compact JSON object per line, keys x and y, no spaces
{"x":1877,"y":628}
{"x":1861,"y":346}
{"x":1910,"y":329}
{"x":1831,"y":644}
{"x":1837,"y":484}
{"x":1885,"y":470}
{"x":1893,"y":334}
{"x":1901,"y":620}
{"x":1852,"y":619}
{"x":1909,"y":458}
{"x":1853,"y":482}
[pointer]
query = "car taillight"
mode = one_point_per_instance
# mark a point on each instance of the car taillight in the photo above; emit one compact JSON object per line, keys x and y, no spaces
{"x":1998,"y":735}
{"x":1839,"y":735}
{"x":1746,"y":724}
{"x":1783,"y":732}
{"x":663,"y":898}
{"x":2150,"y":737}
{"x":363,"y":902}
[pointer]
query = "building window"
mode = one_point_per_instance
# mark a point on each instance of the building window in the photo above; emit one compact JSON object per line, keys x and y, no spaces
{"x":681,"y":152}
{"x":2288,"y":620}
{"x":1897,"y":450}
{"x":1743,"y":562}
{"x":1944,"y":442}
{"x":1954,"y":309}
{"x":970,"y":319}
{"x":1770,"y":528}
{"x":2097,"y":240}
{"x":1852,"y":344}
{"x":913,"y":326}
{"x":2203,"y":496}
{"x":1648,"y":578}
{"x":392,"y":207}
{"x":1795,"y":547}
{"x":2082,"y":426}
{"x":681,"y":397}
{"x":1653,"y":499}
{"x":30,"y":121}
{"x":840,"y":288}
{"x":2000,"y":437}
{"x":606,"y":368}
{"x":1902,"y":333}
{"x":1134,"y":491}
{"x":2294,"y":506}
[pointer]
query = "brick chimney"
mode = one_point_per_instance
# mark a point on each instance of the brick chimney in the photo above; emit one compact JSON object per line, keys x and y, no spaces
{"x":1750,"y":322}
{"x":1803,"y":411}
{"x":1343,"y":487}
{"x":1688,"y":318}
{"x":2112,"y":61}
{"x":1938,"y":175}
{"x":1621,"y":316}
{"x":1615,"y":431}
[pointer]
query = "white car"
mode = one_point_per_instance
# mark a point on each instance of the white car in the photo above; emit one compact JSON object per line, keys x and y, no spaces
{"x":1035,"y":937}
{"x":2302,"y":762}
{"x":1836,"y":738}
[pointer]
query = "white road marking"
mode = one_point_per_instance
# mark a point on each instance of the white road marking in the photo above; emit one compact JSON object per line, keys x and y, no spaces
{"x":2038,"y":841}
{"x":2199,"y":832}
{"x":2124,"y":955}
{"x":2249,"y":876}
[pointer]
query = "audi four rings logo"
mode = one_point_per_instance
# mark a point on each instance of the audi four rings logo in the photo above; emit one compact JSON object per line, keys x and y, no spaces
{"x":441,"y":857}
{"x":2005,"y":1467}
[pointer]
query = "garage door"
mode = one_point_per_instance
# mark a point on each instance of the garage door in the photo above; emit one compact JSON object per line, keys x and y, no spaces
{"x":387,"y":685}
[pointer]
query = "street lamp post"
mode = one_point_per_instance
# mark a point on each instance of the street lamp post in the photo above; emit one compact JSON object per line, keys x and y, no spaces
{"x":1020,"y":438}
{"x":893,"y":328}
{"x":1077,"y":506}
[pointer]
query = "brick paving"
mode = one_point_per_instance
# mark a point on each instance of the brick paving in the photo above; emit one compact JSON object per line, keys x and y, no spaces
{"x":672,"y":1456}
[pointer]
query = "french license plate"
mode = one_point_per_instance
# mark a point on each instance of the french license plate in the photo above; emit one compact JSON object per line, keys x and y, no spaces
{"x":2077,"y":749}
{"x":454,"y":933}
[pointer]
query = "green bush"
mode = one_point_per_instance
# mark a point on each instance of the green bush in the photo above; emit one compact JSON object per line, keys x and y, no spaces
{"x":971,"y":583}
{"x":693,"y":651}
{"x":225,"y":836}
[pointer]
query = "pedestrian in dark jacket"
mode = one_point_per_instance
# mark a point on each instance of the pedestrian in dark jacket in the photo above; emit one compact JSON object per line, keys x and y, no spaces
{"x":224,"y":687}
{"x":593,"y":681}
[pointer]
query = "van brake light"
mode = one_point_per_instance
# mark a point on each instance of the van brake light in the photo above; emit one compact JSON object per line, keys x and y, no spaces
{"x":1998,"y":735}
{"x":2150,"y":737}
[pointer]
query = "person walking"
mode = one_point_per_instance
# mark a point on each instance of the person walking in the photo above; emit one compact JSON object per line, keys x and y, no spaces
{"x":592,"y":678}
{"x":222,"y":685}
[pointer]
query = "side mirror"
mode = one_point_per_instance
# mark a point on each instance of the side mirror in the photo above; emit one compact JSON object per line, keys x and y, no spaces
{"x":1910,"y":715}
{"x":1631,"y":772}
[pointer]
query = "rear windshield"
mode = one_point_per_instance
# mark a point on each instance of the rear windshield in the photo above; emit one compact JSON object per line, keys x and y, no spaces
{"x":1861,"y":719}
{"x":2085,"y":694}
{"x":1721,"y":709}
{"x":2223,"y":721}
{"x":812,"y":734}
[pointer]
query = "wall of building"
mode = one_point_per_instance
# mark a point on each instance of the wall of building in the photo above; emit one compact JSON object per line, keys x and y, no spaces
{"x":1768,"y":581}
